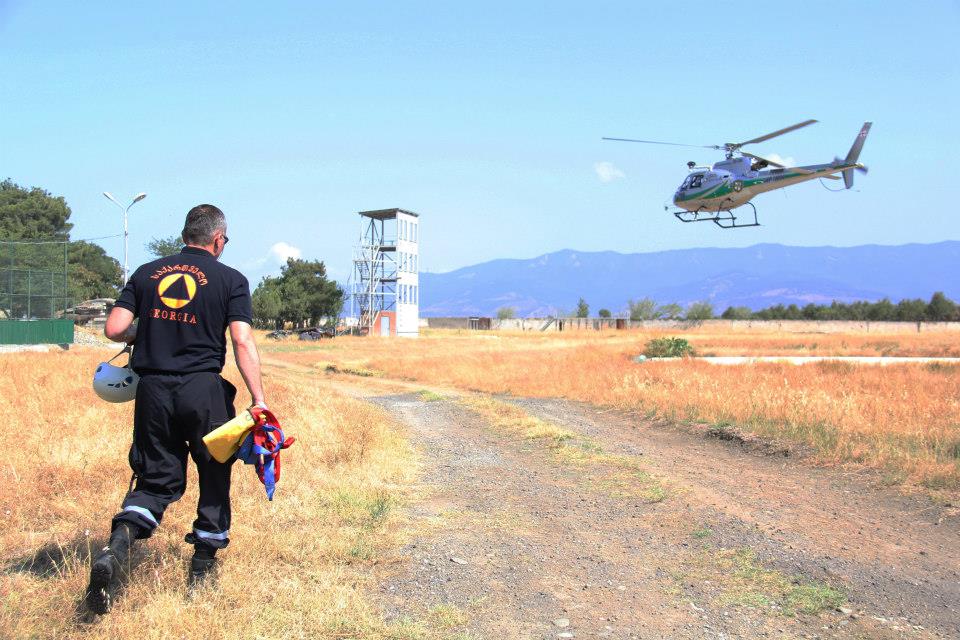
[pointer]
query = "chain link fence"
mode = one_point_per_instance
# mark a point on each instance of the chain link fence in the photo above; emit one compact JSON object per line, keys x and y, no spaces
{"x":33,"y":280}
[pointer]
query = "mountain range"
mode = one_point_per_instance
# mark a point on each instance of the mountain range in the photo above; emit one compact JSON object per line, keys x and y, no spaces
{"x":757,"y":277}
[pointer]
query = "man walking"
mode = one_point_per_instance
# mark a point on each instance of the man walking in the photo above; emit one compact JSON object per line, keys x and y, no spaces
{"x":184,"y":305}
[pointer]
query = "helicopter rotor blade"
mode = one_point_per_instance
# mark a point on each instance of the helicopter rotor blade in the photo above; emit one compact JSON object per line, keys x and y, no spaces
{"x":672,"y":144}
{"x":762,"y":159}
{"x":777,"y":164}
{"x":780,"y":132}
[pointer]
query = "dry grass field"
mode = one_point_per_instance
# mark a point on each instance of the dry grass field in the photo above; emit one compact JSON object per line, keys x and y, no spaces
{"x":305,"y":565}
{"x":902,"y":419}
{"x":296,"y":567}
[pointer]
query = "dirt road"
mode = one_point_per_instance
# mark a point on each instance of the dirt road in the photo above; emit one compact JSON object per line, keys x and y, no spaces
{"x":507,"y":539}
{"x":896,"y":557}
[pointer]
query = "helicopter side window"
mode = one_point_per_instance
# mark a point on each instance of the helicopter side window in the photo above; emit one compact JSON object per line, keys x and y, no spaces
{"x":695,"y":181}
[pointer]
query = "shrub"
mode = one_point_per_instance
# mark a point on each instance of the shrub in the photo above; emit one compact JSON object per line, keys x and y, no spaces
{"x":668,"y":348}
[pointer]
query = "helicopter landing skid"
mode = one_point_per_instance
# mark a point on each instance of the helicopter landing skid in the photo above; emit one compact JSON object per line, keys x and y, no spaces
{"x":721,"y":217}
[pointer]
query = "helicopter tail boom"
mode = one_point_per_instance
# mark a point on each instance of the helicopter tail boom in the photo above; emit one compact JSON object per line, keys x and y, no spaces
{"x":854,"y":154}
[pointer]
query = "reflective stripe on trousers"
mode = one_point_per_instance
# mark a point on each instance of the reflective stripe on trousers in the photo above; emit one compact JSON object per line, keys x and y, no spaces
{"x":142,"y":511}
{"x":210,"y":535}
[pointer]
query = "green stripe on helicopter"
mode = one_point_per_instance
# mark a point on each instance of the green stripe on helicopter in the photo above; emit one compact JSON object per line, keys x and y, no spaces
{"x":727,"y":188}
{"x":712,"y":192}
{"x":706,"y":193}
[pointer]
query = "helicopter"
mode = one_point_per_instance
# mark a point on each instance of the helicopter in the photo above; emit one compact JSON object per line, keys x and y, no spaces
{"x":710,"y":194}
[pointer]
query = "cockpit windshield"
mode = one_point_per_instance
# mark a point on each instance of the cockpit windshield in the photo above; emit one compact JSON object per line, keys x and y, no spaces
{"x":693,"y":181}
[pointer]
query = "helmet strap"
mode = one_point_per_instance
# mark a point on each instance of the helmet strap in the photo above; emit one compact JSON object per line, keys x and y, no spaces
{"x":128,"y":349}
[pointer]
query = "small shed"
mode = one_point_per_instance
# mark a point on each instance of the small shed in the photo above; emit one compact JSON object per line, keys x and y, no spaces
{"x":481,"y":324}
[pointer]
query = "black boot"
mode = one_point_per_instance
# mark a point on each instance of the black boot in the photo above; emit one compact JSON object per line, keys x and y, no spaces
{"x":202,"y":568}
{"x":110,"y":568}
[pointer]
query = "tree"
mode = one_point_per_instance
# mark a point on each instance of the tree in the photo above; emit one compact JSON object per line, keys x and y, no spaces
{"x":304,"y":293}
{"x":839,"y":311}
{"x":583,"y":309}
{"x":307,"y":293}
{"x":882,"y":310}
{"x":604,"y":313}
{"x":699,"y":311}
{"x":858,"y":310}
{"x":911,"y":310}
{"x":91,"y":272}
{"x":812,"y":311}
{"x":671,"y":311}
{"x":35,"y":214}
{"x":645,"y":309}
{"x":267,"y":304}
{"x":737,"y":313}
{"x":776,"y":312}
{"x":163,"y":247}
{"x":506,"y":313}
{"x":32,"y":214}
{"x":941,"y":308}
{"x":793,"y":313}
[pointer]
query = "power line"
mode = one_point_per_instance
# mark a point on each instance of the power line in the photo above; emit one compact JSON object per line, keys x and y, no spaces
{"x":116,"y":235}
{"x":34,"y":241}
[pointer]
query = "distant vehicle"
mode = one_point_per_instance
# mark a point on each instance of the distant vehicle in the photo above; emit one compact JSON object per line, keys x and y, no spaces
{"x":95,"y":310}
{"x":279,"y":334}
{"x":316,"y":333}
{"x":710,"y":194}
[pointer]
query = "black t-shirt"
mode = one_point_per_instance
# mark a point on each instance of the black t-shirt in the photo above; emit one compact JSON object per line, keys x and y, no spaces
{"x":184,"y":303}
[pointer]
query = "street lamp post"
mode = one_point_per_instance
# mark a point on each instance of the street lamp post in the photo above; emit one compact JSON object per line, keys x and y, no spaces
{"x":136,"y":199}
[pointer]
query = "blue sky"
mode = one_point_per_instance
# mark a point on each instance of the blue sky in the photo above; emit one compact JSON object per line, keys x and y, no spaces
{"x":485,"y":118}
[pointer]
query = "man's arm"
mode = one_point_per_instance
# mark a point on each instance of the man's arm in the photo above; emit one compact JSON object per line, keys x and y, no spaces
{"x":119,"y":326}
{"x":248,"y":359}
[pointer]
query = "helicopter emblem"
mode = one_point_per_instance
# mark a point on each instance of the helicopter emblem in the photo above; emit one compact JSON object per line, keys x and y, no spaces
{"x":710,"y":194}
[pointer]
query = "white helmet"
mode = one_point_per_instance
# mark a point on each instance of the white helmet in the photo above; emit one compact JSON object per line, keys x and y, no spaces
{"x":116,"y":384}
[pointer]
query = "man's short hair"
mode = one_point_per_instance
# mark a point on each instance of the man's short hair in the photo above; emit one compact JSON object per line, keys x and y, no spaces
{"x":203,"y":221}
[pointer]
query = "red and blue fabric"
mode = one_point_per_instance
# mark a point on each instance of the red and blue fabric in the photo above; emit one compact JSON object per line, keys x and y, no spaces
{"x":262,"y":448}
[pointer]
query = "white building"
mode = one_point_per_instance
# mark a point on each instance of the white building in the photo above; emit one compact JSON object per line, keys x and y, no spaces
{"x":386,"y":280}
{"x":408,"y":273}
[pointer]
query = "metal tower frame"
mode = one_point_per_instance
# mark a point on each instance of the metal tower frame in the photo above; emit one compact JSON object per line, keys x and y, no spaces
{"x":374,"y":268}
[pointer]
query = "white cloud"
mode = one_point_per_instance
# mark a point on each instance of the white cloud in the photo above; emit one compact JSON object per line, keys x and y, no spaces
{"x":276,"y":256}
{"x":282,"y":251}
{"x":789,"y":161}
{"x":607,"y":172}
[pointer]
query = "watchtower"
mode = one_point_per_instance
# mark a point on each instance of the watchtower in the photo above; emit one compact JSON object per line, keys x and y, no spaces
{"x":386,"y":266}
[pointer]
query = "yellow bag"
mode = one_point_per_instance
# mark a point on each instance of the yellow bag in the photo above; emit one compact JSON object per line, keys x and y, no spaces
{"x":225,"y":440}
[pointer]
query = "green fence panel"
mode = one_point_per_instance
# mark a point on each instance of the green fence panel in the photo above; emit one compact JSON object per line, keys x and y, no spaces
{"x":36,"y":331}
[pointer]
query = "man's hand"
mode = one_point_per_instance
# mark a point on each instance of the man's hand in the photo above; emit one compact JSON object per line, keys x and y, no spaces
{"x":248,"y":359}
